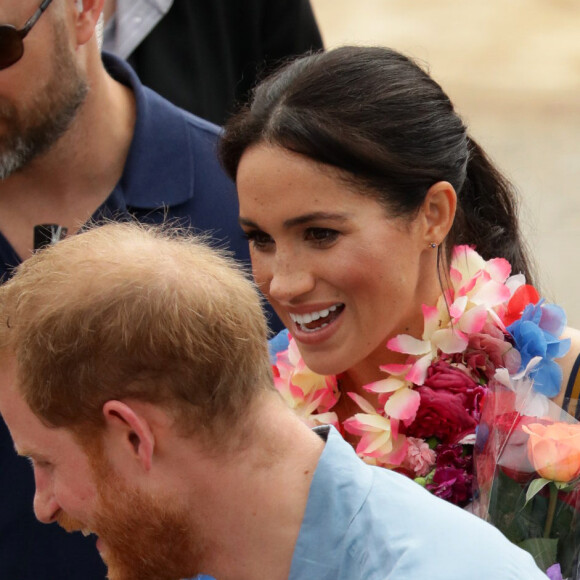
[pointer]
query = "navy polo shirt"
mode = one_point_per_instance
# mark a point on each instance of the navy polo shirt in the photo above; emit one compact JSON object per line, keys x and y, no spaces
{"x":172,"y":173}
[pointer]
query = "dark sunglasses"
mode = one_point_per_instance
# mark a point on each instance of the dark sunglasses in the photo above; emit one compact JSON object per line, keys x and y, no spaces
{"x":12,"y":40}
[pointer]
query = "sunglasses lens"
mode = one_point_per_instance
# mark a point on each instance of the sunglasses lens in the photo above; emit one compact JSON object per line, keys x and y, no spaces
{"x":11,"y":46}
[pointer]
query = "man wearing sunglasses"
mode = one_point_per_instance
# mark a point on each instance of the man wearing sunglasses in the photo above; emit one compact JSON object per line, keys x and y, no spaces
{"x":82,"y":140}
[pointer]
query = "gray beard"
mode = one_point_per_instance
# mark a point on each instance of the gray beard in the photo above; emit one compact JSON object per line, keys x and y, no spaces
{"x":34,"y":131}
{"x":36,"y":140}
{"x":13,"y":160}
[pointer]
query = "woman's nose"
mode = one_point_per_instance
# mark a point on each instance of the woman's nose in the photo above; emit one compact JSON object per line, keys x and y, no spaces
{"x":289,"y":280}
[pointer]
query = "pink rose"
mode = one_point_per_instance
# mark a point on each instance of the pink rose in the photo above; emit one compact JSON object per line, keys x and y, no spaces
{"x":420,"y":458}
{"x":489,"y":350}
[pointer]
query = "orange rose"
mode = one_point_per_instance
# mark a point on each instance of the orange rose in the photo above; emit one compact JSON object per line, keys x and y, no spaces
{"x":554,"y":450}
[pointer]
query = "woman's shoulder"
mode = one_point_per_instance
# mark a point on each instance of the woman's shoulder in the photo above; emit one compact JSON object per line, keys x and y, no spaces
{"x":570,"y":365}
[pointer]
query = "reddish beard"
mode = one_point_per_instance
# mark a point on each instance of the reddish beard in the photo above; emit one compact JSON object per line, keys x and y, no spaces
{"x":141,"y":537}
{"x":68,"y":523}
{"x":145,"y":538}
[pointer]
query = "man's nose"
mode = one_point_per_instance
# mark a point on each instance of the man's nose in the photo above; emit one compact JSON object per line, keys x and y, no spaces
{"x":45,"y":506}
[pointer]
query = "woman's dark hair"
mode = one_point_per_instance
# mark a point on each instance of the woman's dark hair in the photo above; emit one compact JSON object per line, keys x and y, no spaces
{"x":391,"y":131}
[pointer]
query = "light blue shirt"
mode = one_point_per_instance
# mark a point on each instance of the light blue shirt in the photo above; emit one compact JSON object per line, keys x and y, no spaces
{"x":370,"y":523}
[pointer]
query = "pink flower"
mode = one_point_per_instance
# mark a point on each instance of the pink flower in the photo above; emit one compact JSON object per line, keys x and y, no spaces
{"x":489,"y":350}
{"x":380,"y":440}
{"x":307,"y":393}
{"x":420,"y":458}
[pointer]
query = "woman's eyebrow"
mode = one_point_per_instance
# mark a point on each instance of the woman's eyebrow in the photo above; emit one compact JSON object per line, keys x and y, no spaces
{"x":248,"y":223}
{"x":301,"y":219}
{"x":315,"y":216}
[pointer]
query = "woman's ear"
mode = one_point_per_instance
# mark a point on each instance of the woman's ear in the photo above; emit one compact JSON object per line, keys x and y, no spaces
{"x":439,"y":211}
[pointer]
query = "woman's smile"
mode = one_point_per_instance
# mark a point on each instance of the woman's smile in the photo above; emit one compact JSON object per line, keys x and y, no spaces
{"x":342,"y":275}
{"x":316,"y":320}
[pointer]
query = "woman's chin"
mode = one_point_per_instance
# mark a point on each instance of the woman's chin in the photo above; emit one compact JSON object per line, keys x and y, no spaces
{"x":324,"y":363}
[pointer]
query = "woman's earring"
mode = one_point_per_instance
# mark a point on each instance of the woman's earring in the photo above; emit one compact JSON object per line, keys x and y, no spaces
{"x":433,"y":245}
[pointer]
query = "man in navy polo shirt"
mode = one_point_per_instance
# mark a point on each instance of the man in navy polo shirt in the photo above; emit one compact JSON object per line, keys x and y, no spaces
{"x":81,"y":140}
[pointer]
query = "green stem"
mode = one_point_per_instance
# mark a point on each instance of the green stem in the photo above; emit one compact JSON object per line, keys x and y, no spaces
{"x":551,"y":510}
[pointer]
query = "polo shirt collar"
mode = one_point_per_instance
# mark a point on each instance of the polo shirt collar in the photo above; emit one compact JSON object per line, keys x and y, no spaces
{"x":161,"y":144}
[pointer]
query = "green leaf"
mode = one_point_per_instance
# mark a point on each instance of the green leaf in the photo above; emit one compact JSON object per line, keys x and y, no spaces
{"x":543,"y":550}
{"x":564,"y":486}
{"x":509,"y":513}
{"x":535,"y":486}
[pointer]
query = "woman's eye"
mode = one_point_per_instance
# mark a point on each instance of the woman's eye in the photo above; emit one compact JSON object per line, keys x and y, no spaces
{"x":259,"y":240}
{"x":321,"y":236}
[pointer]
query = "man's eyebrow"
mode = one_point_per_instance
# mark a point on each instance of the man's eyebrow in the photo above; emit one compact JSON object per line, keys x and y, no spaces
{"x":28,"y":453}
{"x":302,"y":219}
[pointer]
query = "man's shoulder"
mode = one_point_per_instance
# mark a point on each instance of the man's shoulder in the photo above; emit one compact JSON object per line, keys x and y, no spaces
{"x":151,"y":104}
{"x":196,"y":124}
{"x":419,"y":534}
{"x":164,"y":115}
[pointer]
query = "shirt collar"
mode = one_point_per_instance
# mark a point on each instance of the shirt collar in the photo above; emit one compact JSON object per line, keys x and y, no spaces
{"x":339,"y":488}
{"x":159,"y":170}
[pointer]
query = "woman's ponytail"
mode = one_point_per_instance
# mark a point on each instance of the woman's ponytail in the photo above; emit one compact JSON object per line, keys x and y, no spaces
{"x":487,"y":215}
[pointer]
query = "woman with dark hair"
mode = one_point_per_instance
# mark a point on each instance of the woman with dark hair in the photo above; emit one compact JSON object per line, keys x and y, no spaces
{"x":389,"y":245}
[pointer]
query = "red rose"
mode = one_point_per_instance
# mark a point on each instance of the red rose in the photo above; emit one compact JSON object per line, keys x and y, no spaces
{"x":442,"y":375}
{"x":449,"y":408}
{"x":442,"y":414}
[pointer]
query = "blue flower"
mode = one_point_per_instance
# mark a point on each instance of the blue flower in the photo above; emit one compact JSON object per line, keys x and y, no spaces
{"x":537,"y":333}
{"x":277,"y":344}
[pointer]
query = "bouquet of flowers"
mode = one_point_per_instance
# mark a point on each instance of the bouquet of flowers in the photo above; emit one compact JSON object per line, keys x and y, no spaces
{"x":528,"y":471}
{"x":429,"y":406}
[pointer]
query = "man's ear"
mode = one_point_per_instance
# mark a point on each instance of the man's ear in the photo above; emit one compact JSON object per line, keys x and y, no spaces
{"x":130,"y":431}
{"x":87,"y":14}
{"x":438,"y":211}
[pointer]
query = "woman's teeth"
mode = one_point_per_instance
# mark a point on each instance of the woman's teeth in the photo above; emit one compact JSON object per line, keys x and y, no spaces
{"x":303,"y":319}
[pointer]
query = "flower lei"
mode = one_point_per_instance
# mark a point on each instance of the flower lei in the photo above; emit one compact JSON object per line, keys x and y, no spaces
{"x":429,"y":407}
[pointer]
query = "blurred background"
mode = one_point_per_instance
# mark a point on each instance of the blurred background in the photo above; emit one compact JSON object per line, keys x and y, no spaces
{"x":513,"y":71}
